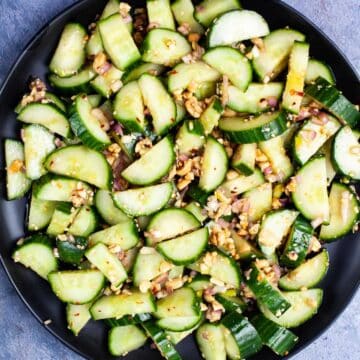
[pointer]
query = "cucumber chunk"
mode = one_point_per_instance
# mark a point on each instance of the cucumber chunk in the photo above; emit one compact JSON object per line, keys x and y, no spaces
{"x":109,"y":212}
{"x":190,"y":137}
{"x":62,"y":218}
{"x":36,"y":253}
{"x":17,"y":184}
{"x":84,"y":223}
{"x":256,"y":98}
{"x":344,"y":212}
{"x":123,"y":339}
{"x":160,"y":104}
{"x":183,"y":11}
{"x":185,"y":249}
{"x":231,"y":62}
{"x":40,"y":213}
{"x":76,"y":286}
{"x":71,"y":249}
{"x":235,"y":26}
{"x":124,"y":235}
{"x":168,"y":224}
{"x":318,"y":68}
{"x":304,"y":305}
{"x":159,"y":13}
{"x":304,"y":147}
{"x":129,"y":107}
{"x":251,"y":130}
{"x":307,"y":275}
{"x":310,"y":196}
{"x":138,"y":69}
{"x":77,"y":317}
{"x":82,"y":163}
{"x":144,"y":201}
{"x":211,"y":115}
{"x":116,"y":306}
{"x":214,"y":165}
{"x":118,"y":42}
{"x":112,"y":268}
{"x":345,"y":152}
{"x":69,"y":55}
{"x":147,"y":170}
{"x":211,"y":342}
{"x":106,"y":84}
{"x":46,"y":115}
{"x":86,"y":126}
{"x":273,"y":58}
{"x":294,"y":88}
{"x":164,"y":47}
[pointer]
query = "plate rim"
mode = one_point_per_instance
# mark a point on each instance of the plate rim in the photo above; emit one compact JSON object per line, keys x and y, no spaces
{"x":40,"y":33}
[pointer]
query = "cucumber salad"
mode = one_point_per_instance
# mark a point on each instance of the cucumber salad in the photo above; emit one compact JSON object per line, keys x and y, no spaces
{"x":185,"y":165}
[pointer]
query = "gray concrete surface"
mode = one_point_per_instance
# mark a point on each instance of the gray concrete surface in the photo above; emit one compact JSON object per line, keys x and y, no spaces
{"x":21,"y":336}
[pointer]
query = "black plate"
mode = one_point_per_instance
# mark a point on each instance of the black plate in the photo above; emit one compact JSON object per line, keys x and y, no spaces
{"x":341,"y":282}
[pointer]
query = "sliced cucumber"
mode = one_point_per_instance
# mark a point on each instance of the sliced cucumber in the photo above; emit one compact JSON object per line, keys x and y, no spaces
{"x":214,"y":165}
{"x":71,"y":249}
{"x":17,"y":184}
{"x":244,"y":158}
{"x":161,"y":341}
{"x":81,"y":163}
{"x":112,"y":268}
{"x":160,"y":104}
{"x":147,"y":170}
{"x":107,"y":83}
{"x":194,"y":208}
{"x":345,"y":152}
{"x":183,"y":11}
{"x":62,"y":218}
{"x":57,"y":188}
{"x":73,"y":84}
{"x":232,"y":63}
{"x":294,"y":88}
{"x":222,"y":268}
{"x":144,"y":201}
{"x":86,"y":126}
{"x":109,"y":212}
{"x":344,"y":212}
{"x":179,"y":311}
{"x":138,"y":69}
{"x":40,"y":213}
{"x":159,"y":14}
{"x":210,"y":117}
{"x":297,"y":244}
{"x":185,"y":249}
{"x":168,"y":224}
{"x":69,"y":55}
{"x":242,"y":333}
{"x":318,"y":68}
{"x":76,"y":286}
{"x":231,"y":303}
{"x":199,"y":283}
{"x":243,"y":183}
{"x":46,"y":115}
{"x":310,"y":196}
{"x":235,"y":26}
{"x":311,"y":136}
{"x":330,"y":170}
{"x":128,"y":320}
{"x":308,"y":274}
{"x":211,"y":342}
{"x":275,"y":226}
{"x":304,"y":305}
{"x":129,"y":107}
{"x":260,"y":128}
{"x":116,"y":306}
{"x":94,"y":45}
{"x":245,"y":250}
{"x":38,"y":143}
{"x":164,"y":47}
{"x":260,"y":201}
{"x":190,"y":137}
{"x":275,"y":151}
{"x":256,"y":98}
{"x":273,"y":58}
{"x":185,"y":74}
{"x":124,"y":235}
{"x":277,"y":338}
{"x":177,"y":336}
{"x":84,"y":223}
{"x":208,"y":10}
{"x":123,"y":339}
{"x":332,"y":99}
{"x":36,"y":254}
{"x":118,"y":42}
{"x":77,"y":317}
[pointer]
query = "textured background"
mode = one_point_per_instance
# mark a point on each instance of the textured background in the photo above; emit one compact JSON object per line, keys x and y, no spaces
{"x":21,"y":336}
